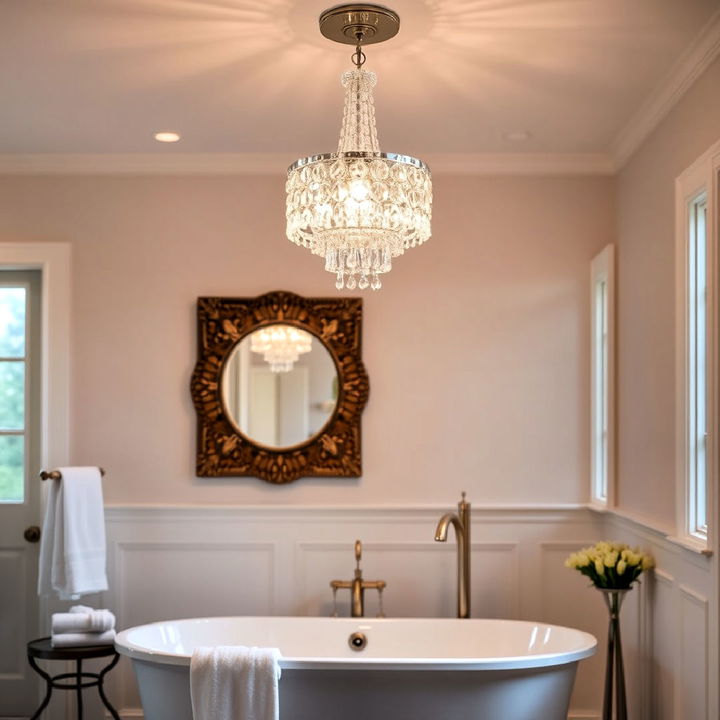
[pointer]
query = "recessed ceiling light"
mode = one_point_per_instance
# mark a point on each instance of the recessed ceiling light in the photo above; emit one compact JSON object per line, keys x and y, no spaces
{"x":517,"y":136}
{"x":167,"y":137}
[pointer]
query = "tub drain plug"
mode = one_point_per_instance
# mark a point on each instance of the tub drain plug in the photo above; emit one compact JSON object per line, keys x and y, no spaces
{"x":357,"y":641}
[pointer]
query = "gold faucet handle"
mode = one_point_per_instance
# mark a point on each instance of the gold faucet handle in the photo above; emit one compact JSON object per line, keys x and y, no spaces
{"x":358,"y":554}
{"x":341,"y":584}
{"x":374,"y":584}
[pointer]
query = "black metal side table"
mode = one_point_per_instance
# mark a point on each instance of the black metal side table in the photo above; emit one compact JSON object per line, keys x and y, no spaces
{"x":78,"y":680}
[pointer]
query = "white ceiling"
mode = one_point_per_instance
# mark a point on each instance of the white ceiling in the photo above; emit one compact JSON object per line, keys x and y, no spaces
{"x":256,"y":76}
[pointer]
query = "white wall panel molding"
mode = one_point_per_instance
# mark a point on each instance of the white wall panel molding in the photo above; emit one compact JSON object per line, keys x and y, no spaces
{"x":661,"y":576}
{"x":421,"y":577}
{"x":674,"y":644}
{"x":692,"y":683}
{"x":290,"y":554}
{"x":373,"y":514}
{"x":141,"y":567}
{"x":660,"y":539}
{"x":281,"y":559}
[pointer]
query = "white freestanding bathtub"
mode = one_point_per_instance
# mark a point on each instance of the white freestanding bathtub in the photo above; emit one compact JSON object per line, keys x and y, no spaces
{"x":409,"y":668}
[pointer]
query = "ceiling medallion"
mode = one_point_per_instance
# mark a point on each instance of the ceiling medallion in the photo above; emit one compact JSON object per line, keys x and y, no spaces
{"x":358,"y":207}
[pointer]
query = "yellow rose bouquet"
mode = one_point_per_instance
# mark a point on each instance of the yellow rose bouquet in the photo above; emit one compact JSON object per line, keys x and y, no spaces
{"x":611,"y":565}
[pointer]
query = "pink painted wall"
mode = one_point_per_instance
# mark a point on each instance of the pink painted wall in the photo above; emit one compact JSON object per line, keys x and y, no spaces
{"x":646,"y":325}
{"x":477,"y":346}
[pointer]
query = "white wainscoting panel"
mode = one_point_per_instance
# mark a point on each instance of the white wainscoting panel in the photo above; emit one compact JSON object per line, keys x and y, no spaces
{"x":665,"y":645}
{"x":671,"y":660}
{"x":694,"y":654}
{"x":167,"y":562}
{"x":424,"y":576}
{"x":173,"y":580}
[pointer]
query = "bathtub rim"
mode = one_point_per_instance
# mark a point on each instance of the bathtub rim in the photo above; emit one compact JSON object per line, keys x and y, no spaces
{"x":360,"y":662}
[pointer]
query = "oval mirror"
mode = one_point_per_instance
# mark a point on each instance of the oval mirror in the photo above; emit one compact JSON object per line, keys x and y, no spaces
{"x":280,"y":386}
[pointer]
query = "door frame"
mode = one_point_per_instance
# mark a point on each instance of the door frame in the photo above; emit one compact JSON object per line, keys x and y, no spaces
{"x":53,"y":261}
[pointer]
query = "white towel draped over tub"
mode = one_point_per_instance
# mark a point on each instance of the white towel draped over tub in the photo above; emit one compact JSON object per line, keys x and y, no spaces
{"x":235,"y":683}
{"x":72,"y":546}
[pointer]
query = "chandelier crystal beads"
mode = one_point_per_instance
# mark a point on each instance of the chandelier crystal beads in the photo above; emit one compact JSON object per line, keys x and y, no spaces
{"x":358,"y":207}
{"x":281,"y":345}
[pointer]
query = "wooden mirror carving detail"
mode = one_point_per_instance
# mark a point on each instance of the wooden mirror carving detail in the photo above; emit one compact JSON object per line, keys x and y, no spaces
{"x":222,"y":449}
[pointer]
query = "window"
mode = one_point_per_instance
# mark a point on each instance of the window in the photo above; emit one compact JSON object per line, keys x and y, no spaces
{"x":602,"y":378}
{"x":697,"y":368}
{"x":13,"y":306}
{"x":696,"y":321}
{"x":17,"y":301}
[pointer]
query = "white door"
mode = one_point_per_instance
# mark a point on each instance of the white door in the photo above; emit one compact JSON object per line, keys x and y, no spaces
{"x":20,"y":314}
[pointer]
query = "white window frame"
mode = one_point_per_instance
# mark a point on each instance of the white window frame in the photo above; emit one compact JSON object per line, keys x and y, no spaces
{"x":699,"y":182}
{"x":602,"y":379}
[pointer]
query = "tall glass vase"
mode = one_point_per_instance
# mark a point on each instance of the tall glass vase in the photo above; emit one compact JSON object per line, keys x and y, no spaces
{"x":614,"y":672}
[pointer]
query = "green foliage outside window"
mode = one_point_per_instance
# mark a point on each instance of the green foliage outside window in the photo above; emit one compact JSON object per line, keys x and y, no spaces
{"x":12,"y":451}
{"x":12,"y":322}
{"x":12,"y":393}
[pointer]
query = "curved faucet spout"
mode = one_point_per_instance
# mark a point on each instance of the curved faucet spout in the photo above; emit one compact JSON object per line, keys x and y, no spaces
{"x":461,"y":523}
{"x":444,"y":523}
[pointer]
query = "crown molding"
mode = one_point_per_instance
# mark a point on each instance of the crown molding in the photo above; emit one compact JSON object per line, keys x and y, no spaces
{"x":691,"y":64}
{"x":276,"y":164}
{"x":688,"y":68}
{"x":144,"y":164}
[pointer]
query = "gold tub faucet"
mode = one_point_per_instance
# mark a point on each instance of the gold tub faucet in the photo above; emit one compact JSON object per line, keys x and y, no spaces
{"x":358,"y":586}
{"x":461,"y":522}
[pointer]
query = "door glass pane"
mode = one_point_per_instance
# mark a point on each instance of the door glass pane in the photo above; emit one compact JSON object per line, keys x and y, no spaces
{"x":12,"y":322}
{"x":12,"y":395}
{"x":12,"y":452}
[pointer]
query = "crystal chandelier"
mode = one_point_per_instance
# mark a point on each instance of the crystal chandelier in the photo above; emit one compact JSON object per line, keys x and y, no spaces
{"x":358,"y":207}
{"x":281,"y":345}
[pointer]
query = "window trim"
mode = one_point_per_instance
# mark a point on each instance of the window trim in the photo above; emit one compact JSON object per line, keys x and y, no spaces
{"x":698,"y":181}
{"x":602,"y":271}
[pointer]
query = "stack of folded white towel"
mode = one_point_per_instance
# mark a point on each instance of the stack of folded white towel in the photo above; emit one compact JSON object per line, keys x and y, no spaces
{"x":82,"y":626}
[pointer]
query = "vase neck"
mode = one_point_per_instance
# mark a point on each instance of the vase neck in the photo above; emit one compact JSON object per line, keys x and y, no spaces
{"x":614,"y":599}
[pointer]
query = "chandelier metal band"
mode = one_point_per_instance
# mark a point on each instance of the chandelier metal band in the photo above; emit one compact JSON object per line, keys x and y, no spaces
{"x":395,"y":157}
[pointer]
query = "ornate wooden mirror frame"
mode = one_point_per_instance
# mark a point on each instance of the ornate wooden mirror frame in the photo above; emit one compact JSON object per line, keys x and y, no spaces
{"x":222,"y":450}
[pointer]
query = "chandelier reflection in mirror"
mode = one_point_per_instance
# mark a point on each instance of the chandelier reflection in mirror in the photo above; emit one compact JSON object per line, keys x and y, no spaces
{"x":358,"y":207}
{"x":281,"y":345}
